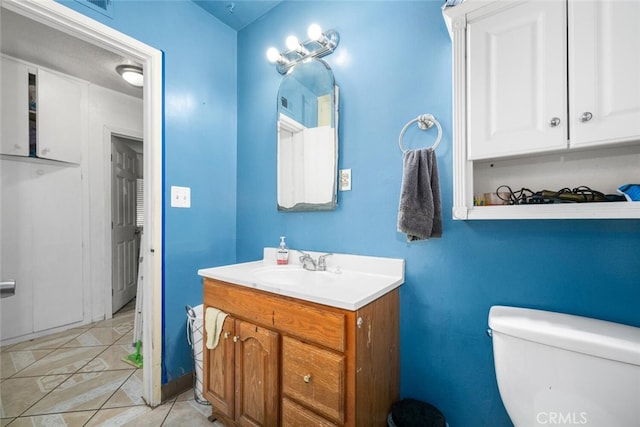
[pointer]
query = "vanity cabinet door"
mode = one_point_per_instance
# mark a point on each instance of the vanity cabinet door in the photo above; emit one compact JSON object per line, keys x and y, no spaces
{"x":256,"y":375}
{"x":604,"y":67}
{"x":219,"y":373}
{"x":517,"y":88}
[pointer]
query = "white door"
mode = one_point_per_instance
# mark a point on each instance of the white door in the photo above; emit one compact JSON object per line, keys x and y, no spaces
{"x":124,"y":236}
{"x":517,"y":88}
{"x":56,"y":259}
{"x":604,"y":71}
{"x":16,"y":312}
{"x":41,"y":246}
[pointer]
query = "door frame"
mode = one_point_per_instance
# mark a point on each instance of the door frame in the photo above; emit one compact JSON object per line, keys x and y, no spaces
{"x":75,"y":24}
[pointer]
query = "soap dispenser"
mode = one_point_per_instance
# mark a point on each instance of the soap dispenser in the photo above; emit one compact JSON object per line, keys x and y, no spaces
{"x":282,"y":254}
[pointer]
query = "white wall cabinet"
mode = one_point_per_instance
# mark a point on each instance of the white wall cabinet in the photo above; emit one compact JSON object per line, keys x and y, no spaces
{"x":61,"y":111}
{"x":604,"y":72}
{"x":517,"y":80}
{"x":546,"y":96}
{"x":14,"y":108}
{"x":41,"y":246}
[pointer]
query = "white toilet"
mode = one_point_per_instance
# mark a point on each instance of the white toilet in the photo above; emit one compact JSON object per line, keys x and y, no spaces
{"x":561,"y":370}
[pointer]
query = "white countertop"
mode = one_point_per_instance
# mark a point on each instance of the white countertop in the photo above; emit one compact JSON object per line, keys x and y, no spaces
{"x":350,"y":282}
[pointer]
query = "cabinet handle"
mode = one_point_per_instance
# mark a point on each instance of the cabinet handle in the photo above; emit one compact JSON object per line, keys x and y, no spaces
{"x":16,"y":146}
{"x":226,"y":335}
{"x":307,"y":378}
{"x":555,"y":121}
{"x":586,"y":116}
{"x":236,"y":338}
{"x":45,"y":151}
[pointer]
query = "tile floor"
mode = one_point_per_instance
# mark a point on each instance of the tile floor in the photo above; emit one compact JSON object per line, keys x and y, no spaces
{"x":77,"y":378}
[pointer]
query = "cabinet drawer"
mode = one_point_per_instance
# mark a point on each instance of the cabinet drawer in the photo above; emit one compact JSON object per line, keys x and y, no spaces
{"x":309,"y":321}
{"x":314,"y":377}
{"x":295,"y":415}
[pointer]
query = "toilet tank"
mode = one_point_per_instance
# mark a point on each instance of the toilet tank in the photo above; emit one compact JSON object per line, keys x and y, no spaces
{"x":558,"y":369}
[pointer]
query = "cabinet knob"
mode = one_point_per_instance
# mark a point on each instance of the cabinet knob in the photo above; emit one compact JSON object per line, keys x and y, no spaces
{"x":555,"y":121}
{"x":16,"y":146}
{"x":236,"y":338}
{"x":45,"y":151}
{"x":226,"y":335}
{"x":586,"y":116}
{"x":307,"y":378}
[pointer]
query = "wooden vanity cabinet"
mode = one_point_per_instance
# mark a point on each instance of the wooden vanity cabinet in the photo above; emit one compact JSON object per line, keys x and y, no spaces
{"x":241,"y":374}
{"x":285,"y":361}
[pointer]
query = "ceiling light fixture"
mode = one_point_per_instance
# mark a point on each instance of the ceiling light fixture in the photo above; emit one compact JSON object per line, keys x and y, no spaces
{"x":132,"y":74}
{"x":318,"y":45}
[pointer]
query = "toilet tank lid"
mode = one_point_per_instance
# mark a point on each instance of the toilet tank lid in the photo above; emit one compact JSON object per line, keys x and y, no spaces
{"x":575,"y":333}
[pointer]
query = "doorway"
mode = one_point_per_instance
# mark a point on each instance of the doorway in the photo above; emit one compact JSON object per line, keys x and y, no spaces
{"x":76,"y":25}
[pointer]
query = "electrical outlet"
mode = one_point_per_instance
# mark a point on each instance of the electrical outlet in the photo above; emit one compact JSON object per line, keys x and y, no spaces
{"x":180,"y":197}
{"x":345,"y":179}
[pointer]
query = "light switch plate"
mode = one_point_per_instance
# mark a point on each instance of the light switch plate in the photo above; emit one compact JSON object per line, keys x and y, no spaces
{"x":345,"y":179}
{"x":180,"y":197}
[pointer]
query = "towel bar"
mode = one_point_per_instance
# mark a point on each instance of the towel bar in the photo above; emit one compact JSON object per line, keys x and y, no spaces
{"x":425,"y":121}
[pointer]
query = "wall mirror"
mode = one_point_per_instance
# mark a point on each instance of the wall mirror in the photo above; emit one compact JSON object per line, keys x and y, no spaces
{"x":308,"y":138}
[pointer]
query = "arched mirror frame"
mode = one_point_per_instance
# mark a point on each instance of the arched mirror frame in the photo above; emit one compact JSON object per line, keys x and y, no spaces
{"x":307,"y":138}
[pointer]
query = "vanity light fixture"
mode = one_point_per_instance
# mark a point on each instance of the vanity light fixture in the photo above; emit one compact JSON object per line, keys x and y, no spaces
{"x":318,"y":45}
{"x":132,"y":74}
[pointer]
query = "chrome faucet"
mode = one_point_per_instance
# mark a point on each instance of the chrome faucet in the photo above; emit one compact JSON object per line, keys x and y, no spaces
{"x":322,"y":263}
{"x":308,"y":263}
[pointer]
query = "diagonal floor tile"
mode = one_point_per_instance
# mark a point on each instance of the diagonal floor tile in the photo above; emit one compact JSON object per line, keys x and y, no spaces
{"x":15,"y":361}
{"x":130,"y":394}
{"x":109,"y":360}
{"x":62,"y":361}
{"x":70,"y":419}
{"x":189,"y":413}
{"x":51,"y":342}
{"x":127,"y":339}
{"x":133,"y":416}
{"x":120,"y":322}
{"x":96,"y":337}
{"x":81,"y":392}
{"x":18,"y":394}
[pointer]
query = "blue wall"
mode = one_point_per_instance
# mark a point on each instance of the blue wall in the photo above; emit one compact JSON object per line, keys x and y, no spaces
{"x":394,"y":63}
{"x":200,"y":104}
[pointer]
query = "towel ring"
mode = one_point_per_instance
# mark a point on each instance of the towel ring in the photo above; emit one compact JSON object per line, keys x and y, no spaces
{"x":425,"y":121}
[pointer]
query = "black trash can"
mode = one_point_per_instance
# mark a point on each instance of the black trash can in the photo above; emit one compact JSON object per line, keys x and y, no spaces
{"x":414,"y":413}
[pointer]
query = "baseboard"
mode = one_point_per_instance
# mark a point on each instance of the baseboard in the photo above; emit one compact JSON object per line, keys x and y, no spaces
{"x":176,"y":387}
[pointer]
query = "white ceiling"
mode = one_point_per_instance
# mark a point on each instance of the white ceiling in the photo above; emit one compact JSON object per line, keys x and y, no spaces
{"x":237,"y":13}
{"x":37,"y":43}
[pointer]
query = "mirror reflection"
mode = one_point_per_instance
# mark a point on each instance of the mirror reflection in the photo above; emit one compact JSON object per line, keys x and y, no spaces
{"x":308,"y":138}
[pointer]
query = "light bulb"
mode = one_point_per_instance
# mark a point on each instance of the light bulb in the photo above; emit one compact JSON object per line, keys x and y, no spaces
{"x":273,"y":55}
{"x":133,"y":78}
{"x":314,"y":32}
{"x":132,"y":74}
{"x":292,"y":43}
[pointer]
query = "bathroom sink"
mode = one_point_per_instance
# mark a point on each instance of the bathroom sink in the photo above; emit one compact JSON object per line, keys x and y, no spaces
{"x":349,"y":282}
{"x":292,"y":275}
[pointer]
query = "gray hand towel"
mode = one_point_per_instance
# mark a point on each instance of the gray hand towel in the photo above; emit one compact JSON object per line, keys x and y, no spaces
{"x":420,"y":211}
